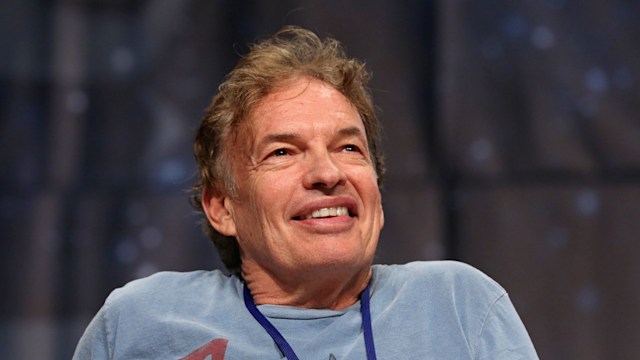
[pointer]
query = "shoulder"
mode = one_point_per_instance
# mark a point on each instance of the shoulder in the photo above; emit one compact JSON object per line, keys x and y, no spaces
{"x":446,"y":270}
{"x":455,"y":299}
{"x":166,"y":288}
{"x":135,"y":316}
{"x":445,"y":278}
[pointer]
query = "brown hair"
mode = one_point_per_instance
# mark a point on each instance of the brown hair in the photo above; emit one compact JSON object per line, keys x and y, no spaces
{"x":290,"y":53}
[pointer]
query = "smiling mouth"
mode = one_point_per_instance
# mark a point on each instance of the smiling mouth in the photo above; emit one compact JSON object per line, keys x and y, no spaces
{"x":325,"y":213}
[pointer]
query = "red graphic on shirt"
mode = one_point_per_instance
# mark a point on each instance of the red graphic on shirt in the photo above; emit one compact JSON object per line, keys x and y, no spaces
{"x":214,"y":348}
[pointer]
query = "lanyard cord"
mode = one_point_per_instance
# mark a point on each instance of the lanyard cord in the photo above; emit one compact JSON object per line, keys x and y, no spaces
{"x":284,"y":345}
{"x":366,"y":324}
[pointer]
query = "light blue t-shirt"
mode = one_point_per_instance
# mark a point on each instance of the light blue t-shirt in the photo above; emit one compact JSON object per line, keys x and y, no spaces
{"x":422,"y":310}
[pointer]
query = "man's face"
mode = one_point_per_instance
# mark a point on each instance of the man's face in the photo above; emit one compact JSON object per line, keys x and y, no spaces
{"x":307,"y":193}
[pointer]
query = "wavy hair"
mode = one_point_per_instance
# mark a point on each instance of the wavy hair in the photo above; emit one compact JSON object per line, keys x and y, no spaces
{"x":290,"y":53}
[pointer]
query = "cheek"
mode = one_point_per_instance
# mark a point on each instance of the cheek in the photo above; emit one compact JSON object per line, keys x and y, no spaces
{"x":268,"y":195}
{"x":368,"y":181}
{"x":371,"y":195}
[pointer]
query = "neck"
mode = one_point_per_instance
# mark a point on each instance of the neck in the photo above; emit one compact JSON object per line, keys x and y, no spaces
{"x":313,"y":290}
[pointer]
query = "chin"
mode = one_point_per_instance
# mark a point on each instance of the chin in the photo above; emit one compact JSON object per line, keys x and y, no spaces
{"x":338,"y":263}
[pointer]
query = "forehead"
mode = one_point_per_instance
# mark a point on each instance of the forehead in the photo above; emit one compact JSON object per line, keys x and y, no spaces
{"x":300,"y":104}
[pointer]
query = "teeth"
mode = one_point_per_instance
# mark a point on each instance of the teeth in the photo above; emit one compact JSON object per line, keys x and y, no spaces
{"x":326,"y":212}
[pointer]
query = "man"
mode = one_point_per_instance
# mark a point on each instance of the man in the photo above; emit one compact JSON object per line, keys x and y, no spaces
{"x":290,"y":169}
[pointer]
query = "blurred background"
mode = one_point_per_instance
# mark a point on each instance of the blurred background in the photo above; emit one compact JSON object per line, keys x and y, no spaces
{"x":512,"y":134}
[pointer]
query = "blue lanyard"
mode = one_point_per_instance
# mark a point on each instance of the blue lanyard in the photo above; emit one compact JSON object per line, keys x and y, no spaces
{"x":284,"y":345}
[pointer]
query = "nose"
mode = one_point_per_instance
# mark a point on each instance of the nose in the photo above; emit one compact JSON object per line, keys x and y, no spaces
{"x":323,"y":172}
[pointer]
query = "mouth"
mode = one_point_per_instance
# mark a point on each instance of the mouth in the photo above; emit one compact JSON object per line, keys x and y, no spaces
{"x":326,"y":212}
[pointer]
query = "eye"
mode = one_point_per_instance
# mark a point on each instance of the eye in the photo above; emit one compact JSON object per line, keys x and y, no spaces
{"x":351,"y":148}
{"x":281,"y":152}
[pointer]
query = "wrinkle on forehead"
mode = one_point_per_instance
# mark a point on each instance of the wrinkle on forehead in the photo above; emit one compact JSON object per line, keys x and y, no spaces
{"x":280,"y":96}
{"x":325,"y":91}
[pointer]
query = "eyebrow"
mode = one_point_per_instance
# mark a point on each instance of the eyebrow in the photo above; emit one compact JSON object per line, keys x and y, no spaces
{"x":274,"y":138}
{"x":287,"y":137}
{"x":352,"y":131}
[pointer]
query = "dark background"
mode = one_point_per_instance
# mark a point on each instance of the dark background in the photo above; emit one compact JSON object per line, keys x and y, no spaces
{"x":511,"y":130}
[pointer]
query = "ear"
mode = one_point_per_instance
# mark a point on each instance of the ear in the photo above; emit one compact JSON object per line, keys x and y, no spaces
{"x":218,"y":208}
